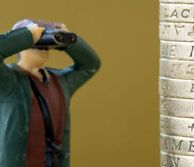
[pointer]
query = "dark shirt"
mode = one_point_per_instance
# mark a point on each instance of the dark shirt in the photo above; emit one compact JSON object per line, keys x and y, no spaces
{"x":51,"y":90}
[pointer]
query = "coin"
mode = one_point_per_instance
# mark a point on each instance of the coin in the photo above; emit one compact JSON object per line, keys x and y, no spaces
{"x":177,"y":107}
{"x":177,"y":1}
{"x":177,"y":31}
{"x":177,"y":126}
{"x":176,"y":12}
{"x":177,"y":145}
{"x":177,"y":50}
{"x":176,"y":88}
{"x":177,"y":69}
{"x":170,"y":160}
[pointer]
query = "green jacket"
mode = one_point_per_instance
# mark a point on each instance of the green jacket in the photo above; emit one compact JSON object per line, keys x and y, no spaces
{"x":15,"y":94}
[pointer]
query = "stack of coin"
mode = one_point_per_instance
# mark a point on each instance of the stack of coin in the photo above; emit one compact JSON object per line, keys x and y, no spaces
{"x":176,"y":84}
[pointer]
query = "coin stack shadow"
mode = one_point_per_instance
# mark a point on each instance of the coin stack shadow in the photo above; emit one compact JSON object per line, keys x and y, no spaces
{"x":176,"y":83}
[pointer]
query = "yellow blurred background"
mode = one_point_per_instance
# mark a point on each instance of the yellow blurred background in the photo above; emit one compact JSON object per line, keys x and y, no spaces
{"x":115,"y":117}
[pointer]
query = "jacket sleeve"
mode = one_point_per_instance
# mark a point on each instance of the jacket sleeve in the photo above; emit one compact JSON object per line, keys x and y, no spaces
{"x":10,"y":43}
{"x":86,"y":64}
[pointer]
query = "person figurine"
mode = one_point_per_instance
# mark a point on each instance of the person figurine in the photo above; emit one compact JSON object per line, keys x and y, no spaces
{"x":34,"y":99}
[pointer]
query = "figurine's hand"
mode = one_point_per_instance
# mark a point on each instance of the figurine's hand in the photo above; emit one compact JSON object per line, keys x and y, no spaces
{"x":64,"y":27}
{"x":38,"y":28}
{"x":36,"y":31}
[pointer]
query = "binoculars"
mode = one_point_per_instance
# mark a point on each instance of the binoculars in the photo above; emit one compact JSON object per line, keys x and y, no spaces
{"x":55,"y":39}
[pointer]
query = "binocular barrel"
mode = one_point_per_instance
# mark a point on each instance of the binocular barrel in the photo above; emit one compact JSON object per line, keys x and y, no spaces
{"x":55,"y":39}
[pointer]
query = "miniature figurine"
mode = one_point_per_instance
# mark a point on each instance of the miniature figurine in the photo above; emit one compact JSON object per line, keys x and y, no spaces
{"x":34,"y":100}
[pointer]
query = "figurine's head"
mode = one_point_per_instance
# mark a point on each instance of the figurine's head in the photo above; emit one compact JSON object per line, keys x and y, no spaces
{"x":40,"y":23}
{"x":35,"y":56}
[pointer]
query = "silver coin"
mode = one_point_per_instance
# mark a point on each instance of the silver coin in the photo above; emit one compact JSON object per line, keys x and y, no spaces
{"x":177,"y":69}
{"x":176,"y":88}
{"x":176,"y":126}
{"x":170,"y":160}
{"x":177,"y":107}
{"x":177,"y":50}
{"x":177,"y":145}
{"x":177,"y":1}
{"x":177,"y":12}
{"x":177,"y":31}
